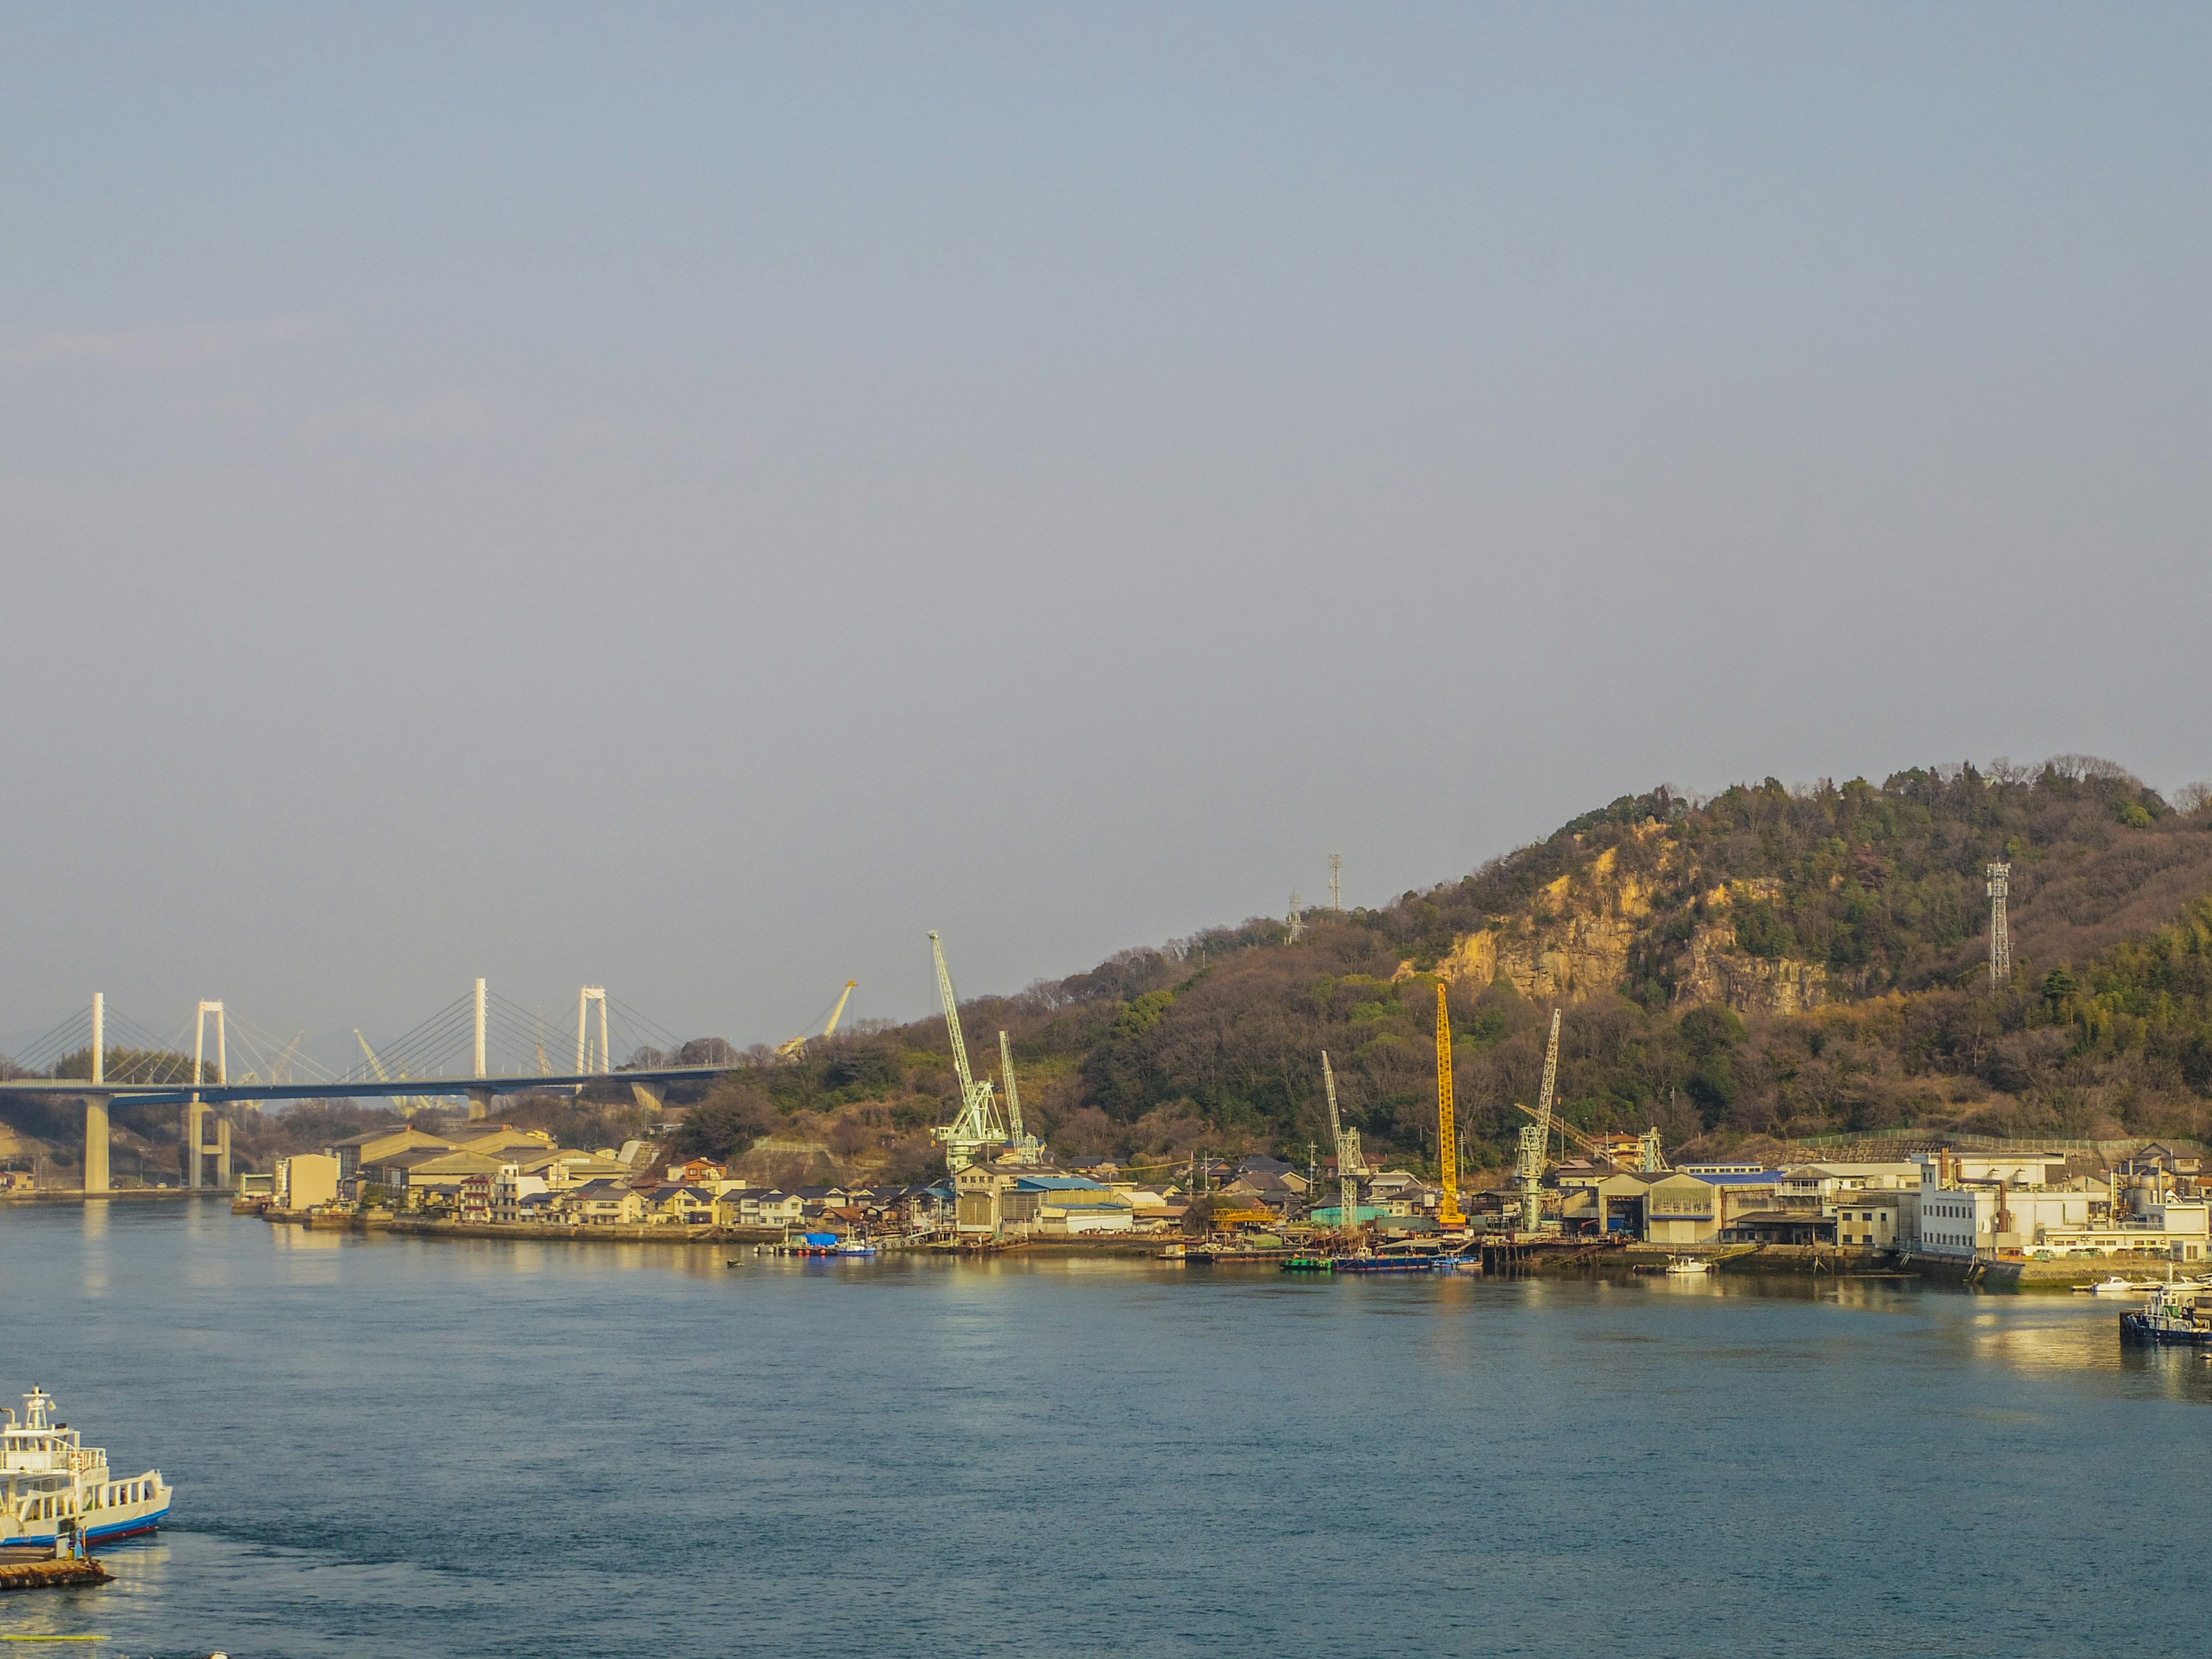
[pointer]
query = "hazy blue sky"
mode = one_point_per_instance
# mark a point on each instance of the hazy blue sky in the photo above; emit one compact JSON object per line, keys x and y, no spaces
{"x":689,"y":498}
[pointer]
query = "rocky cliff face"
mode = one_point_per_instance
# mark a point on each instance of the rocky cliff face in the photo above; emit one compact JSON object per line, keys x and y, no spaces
{"x":1711,"y":968}
{"x":1578,"y":937}
{"x":1575,"y":941}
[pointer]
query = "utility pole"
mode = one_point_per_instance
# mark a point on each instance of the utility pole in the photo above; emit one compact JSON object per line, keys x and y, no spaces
{"x":1336,"y":883}
{"x":2000,"y":940}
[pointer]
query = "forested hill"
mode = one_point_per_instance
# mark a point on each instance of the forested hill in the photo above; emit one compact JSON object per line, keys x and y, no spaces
{"x":1767,"y":961}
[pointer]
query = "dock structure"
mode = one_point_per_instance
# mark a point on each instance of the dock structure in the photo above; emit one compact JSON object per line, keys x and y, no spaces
{"x":40,"y":1568}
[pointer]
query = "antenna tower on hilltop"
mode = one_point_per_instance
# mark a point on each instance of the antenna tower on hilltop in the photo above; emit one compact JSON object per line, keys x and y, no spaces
{"x":1336,"y":883}
{"x":1295,"y":923}
{"x":1999,"y":939}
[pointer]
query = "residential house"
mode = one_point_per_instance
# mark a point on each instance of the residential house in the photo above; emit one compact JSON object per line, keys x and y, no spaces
{"x":680,"y":1205}
{"x":605,"y":1203}
{"x":511,"y":1189}
{"x":757,"y":1206}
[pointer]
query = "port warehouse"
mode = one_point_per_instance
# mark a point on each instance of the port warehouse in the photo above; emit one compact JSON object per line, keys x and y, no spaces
{"x":1936,"y":1202}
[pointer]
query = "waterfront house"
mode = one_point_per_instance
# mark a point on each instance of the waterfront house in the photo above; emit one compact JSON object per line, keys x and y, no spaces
{"x":680,"y":1205}
{"x":511,"y":1188}
{"x":755,"y":1206}
{"x":605,"y":1203}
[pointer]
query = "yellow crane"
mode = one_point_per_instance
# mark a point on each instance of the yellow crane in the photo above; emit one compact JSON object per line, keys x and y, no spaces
{"x":1448,"y":1212}
{"x":797,"y":1046}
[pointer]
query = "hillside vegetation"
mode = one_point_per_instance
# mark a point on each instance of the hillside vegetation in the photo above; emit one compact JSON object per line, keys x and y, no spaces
{"x":1766,"y":962}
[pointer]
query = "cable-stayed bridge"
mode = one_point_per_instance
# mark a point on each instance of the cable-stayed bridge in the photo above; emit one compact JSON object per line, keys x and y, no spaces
{"x":477,"y":1046}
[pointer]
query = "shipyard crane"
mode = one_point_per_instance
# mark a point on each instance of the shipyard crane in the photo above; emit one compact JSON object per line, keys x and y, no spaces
{"x":407,"y":1105}
{"x":1350,"y":1165}
{"x":1448,"y":1211}
{"x":1022,"y":1147}
{"x":797,"y":1046}
{"x":1536,"y":1138}
{"x":975,"y":1131}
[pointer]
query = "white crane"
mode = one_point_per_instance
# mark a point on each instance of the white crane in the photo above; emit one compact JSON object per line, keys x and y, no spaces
{"x":1350,"y":1165}
{"x":1021,"y":1146}
{"x":1536,"y":1138}
{"x":976,"y":1130}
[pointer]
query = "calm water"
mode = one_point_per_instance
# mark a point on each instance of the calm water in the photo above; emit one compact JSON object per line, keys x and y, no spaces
{"x":386,"y":1446}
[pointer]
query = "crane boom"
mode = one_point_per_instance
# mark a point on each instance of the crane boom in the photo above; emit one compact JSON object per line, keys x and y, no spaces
{"x":1350,"y":1165}
{"x":1448,"y":1211}
{"x":1013,"y":1090}
{"x":952,"y":1015}
{"x":797,"y":1046}
{"x":1536,"y":1138}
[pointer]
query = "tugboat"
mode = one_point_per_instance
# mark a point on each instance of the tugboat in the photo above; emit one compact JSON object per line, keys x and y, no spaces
{"x":53,"y":1484}
{"x":2173,"y":1315}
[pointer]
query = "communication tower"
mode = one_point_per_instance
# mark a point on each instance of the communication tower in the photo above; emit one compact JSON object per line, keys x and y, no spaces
{"x":1336,"y":883}
{"x":2000,"y":940}
{"x":1295,"y":923}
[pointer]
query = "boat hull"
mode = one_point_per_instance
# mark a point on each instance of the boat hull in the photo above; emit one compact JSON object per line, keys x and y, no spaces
{"x":2143,"y":1328}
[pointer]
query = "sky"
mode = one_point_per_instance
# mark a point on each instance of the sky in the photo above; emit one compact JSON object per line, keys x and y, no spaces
{"x":689,"y":498}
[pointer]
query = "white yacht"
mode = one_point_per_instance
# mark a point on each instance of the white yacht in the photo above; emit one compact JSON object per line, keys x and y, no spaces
{"x":52,"y":1483}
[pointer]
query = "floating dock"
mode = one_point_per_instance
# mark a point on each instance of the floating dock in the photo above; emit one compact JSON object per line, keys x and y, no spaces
{"x":39,"y":1569}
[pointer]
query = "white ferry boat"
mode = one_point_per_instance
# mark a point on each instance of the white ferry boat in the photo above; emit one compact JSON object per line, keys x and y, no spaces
{"x":52,"y":1483}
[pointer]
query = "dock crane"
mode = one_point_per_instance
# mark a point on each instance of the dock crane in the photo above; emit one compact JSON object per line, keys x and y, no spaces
{"x":1650,"y":1157}
{"x":797,"y":1046}
{"x":1350,"y":1163}
{"x":1536,"y":1138}
{"x":1448,"y":1210}
{"x":1022,"y":1147}
{"x":976,"y":1130}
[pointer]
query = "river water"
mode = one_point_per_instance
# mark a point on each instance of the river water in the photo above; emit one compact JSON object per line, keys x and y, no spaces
{"x":407,"y":1447}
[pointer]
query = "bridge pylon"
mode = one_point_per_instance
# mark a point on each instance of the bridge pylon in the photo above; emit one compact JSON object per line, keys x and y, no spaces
{"x":197,"y":1112}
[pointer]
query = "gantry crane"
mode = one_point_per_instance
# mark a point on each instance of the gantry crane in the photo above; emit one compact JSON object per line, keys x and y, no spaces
{"x":1448,"y":1211}
{"x":976,"y":1130}
{"x":797,"y":1046}
{"x":1350,"y":1163}
{"x":1536,"y":1138}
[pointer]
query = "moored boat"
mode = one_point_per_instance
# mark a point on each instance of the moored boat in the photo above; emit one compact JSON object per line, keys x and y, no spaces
{"x":1685,"y":1265}
{"x":53,"y":1485}
{"x":2172,"y":1316}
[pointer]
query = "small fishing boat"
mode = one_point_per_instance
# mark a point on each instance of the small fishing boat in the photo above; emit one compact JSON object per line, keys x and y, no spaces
{"x":54,"y":1484}
{"x":2116,"y":1285}
{"x":1684,"y":1267}
{"x":824,"y":1244}
{"x":1303,"y":1263}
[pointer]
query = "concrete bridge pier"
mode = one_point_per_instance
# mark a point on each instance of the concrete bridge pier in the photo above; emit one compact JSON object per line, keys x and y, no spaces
{"x":197,"y":1151}
{"x":96,"y":1141}
{"x":95,"y":1106}
{"x":479,"y":1103}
